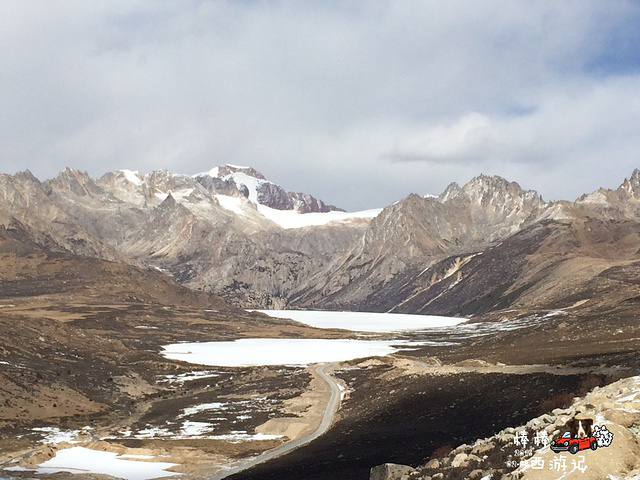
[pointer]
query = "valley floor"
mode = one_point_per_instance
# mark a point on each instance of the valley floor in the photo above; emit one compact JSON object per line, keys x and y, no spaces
{"x":67,"y":367}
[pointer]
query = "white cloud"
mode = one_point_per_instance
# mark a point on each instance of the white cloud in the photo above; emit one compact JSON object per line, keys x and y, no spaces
{"x":323,"y":96}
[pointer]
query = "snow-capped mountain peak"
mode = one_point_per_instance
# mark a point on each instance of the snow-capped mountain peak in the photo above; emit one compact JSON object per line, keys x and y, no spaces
{"x":227,"y":170}
{"x":132,"y":177}
{"x":252,"y":184}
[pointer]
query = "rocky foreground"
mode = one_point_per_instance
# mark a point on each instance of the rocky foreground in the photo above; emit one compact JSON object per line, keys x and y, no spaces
{"x":504,"y":456}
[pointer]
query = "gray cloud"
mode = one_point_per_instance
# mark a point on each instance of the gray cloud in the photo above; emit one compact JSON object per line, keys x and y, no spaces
{"x":359,"y":103}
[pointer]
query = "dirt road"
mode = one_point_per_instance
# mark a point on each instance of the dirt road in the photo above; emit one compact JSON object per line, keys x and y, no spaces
{"x":332,"y":407}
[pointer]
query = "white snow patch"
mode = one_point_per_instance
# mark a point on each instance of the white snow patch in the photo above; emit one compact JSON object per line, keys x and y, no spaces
{"x":153,"y":432}
{"x":628,"y":398}
{"x":185,"y":377}
{"x":55,"y":435}
{"x":202,"y":408}
{"x":292,"y":219}
{"x":365,"y":321}
{"x":233,"y":204}
{"x":195,"y":429}
{"x":250,"y":182}
{"x":84,"y":460}
{"x":285,"y":218}
{"x":131,"y":176}
{"x":599,"y":419}
{"x":279,"y":351}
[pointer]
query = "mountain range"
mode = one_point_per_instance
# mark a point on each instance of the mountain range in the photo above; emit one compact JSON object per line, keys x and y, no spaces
{"x":477,"y":248}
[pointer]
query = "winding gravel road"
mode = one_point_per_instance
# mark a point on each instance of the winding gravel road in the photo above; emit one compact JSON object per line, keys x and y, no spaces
{"x":329,"y":412}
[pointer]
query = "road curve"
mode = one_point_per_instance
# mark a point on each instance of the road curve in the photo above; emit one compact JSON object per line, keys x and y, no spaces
{"x":329,"y":412}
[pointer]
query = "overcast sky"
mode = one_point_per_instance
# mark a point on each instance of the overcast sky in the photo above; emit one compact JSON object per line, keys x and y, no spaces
{"x":357,"y":102}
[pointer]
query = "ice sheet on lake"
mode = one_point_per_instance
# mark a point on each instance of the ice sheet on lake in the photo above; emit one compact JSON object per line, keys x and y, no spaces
{"x":85,"y":460}
{"x":365,"y":321}
{"x":279,"y":351}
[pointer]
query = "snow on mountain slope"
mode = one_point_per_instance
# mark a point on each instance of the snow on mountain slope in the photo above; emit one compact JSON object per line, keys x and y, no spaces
{"x":241,"y":191}
{"x":233,"y":204}
{"x":252,"y":184}
{"x":133,"y":177}
{"x":260,"y":191}
{"x":292,"y":219}
{"x":289,"y":219}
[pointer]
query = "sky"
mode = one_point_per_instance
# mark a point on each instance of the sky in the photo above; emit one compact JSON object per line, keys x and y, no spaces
{"x":359,"y":103}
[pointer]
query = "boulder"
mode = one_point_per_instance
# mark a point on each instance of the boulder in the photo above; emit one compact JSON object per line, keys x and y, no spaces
{"x":433,"y":463}
{"x":483,"y":447}
{"x":460,"y":460}
{"x":464,"y":448}
{"x":505,"y":437}
{"x":390,"y":471}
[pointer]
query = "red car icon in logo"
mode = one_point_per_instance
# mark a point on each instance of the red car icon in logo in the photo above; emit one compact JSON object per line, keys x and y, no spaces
{"x":573,"y":445}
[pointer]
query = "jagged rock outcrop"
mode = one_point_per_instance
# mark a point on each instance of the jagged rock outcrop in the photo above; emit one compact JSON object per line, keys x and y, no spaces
{"x":305,"y":203}
{"x":273,"y":196}
{"x":28,"y":201}
{"x":631,"y":186}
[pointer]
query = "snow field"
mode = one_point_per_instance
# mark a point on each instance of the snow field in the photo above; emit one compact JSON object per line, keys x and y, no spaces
{"x":292,"y":219}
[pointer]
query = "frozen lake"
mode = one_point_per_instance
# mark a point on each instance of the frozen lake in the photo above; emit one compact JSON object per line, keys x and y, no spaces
{"x":280,"y":351}
{"x":365,"y":321}
{"x":84,"y":460}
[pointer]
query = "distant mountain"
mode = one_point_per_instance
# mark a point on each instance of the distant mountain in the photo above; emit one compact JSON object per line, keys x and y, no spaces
{"x":207,"y":231}
{"x":475,"y":248}
{"x":488,"y":246}
{"x":407,"y":238}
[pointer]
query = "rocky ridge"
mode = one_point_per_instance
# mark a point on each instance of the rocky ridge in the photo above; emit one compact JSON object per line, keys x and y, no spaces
{"x":484,"y":246}
{"x":201,"y":230}
{"x":475,"y":248}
